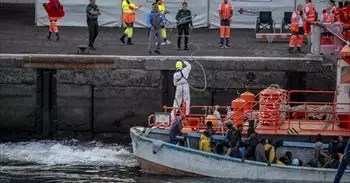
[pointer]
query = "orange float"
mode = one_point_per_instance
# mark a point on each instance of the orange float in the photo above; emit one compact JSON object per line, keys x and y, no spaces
{"x":249,"y":98}
{"x":238,"y":107}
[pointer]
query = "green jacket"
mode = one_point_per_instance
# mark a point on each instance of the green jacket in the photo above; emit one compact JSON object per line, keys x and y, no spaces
{"x":184,"y":17}
{"x":89,"y":9}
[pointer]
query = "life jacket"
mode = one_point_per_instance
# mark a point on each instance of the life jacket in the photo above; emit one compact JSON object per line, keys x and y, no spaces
{"x":327,"y":18}
{"x":161,"y":8}
{"x":54,"y":9}
{"x":204,"y":143}
{"x":311,"y":15}
{"x":294,"y":27}
{"x":128,"y":7}
{"x":226,"y":11}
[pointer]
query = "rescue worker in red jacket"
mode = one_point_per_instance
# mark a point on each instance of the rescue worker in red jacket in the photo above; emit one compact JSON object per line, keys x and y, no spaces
{"x":55,"y":12}
{"x":346,"y":21}
{"x":225,"y":12}
{"x":327,"y":15}
{"x":297,"y":29}
{"x":310,"y":13}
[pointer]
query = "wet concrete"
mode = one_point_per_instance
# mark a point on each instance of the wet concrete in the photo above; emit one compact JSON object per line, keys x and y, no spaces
{"x":19,"y":35}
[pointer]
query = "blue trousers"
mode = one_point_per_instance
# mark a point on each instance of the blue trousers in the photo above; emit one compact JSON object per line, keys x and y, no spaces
{"x":345,"y":162}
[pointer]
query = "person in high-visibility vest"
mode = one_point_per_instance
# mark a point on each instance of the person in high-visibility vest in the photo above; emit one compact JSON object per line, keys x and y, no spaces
{"x":161,"y":8}
{"x":55,"y":12}
{"x":129,"y":16}
{"x":310,"y":13}
{"x":297,"y":21}
{"x":225,"y":12}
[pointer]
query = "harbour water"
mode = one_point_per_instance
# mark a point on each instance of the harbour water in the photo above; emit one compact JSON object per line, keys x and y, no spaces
{"x":74,"y":161}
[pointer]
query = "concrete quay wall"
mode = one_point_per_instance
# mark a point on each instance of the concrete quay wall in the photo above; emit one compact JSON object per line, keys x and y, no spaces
{"x":101,"y":97}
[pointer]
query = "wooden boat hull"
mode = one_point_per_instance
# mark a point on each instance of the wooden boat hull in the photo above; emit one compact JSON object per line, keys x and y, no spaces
{"x":157,"y":156}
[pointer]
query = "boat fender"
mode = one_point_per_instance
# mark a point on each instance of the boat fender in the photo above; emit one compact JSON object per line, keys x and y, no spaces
{"x":156,"y":145}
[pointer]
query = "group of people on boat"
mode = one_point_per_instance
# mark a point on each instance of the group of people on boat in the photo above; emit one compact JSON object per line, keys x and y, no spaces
{"x":256,"y":148}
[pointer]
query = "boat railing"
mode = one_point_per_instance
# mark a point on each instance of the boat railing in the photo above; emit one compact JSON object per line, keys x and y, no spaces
{"x":306,"y":116}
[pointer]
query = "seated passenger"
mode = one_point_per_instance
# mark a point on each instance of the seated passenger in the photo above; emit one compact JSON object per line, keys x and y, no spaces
{"x":210,"y":129}
{"x":237,"y":151}
{"x":332,"y":149}
{"x":260,"y":154}
{"x":230,"y":132}
{"x":204,"y":142}
{"x":221,"y":148}
{"x":175,"y":130}
{"x":340,"y":150}
{"x":270,"y":151}
{"x":250,"y":145}
{"x":283,"y":161}
{"x":333,"y":162}
{"x":289,"y":155}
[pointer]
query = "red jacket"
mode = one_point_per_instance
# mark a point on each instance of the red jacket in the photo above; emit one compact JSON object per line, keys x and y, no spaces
{"x":54,"y":8}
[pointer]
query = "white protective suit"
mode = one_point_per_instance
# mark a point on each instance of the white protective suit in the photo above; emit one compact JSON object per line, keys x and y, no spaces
{"x":182,"y":89}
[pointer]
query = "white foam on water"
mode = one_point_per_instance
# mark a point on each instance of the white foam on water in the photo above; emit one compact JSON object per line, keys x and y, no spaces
{"x":62,"y":153}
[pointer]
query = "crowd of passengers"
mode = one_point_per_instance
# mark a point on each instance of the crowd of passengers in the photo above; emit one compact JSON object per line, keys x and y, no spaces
{"x":256,"y":148}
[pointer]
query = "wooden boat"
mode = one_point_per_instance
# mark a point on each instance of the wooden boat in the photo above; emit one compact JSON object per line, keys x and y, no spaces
{"x":157,"y":156}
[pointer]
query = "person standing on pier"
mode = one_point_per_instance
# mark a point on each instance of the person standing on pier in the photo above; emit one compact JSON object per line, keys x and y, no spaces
{"x":55,"y":12}
{"x":310,"y":12}
{"x":129,"y":17}
{"x":225,"y":13}
{"x":155,"y":20}
{"x":161,"y":7}
{"x":344,"y":163}
{"x":297,"y":21}
{"x":92,"y":13}
{"x":183,"y":27}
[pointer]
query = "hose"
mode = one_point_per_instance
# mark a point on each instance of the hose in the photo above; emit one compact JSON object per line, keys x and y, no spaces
{"x":201,"y":66}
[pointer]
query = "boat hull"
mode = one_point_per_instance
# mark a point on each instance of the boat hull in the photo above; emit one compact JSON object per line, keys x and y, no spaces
{"x":159,"y":157}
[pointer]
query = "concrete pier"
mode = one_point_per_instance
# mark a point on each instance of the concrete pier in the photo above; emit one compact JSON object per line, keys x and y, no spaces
{"x":85,"y":96}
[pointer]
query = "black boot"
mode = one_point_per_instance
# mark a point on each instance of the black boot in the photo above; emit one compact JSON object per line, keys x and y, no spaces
{"x":221,"y":42}
{"x":290,"y":49}
{"x":122,"y":39}
{"x":186,"y":43}
{"x":57,"y":36}
{"x":49,"y":36}
{"x":178,"y":43}
{"x":227,"y":42}
{"x":129,"y":42}
{"x":298,"y":49}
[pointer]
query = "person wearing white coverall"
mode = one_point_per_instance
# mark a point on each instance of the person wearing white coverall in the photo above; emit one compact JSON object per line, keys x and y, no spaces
{"x":182,"y":88}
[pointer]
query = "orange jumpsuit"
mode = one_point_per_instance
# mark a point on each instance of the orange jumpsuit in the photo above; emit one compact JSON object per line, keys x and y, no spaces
{"x":297,"y":31}
{"x":310,"y":13}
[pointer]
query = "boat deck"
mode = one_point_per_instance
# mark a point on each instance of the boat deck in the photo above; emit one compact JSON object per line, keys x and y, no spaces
{"x":302,"y":127}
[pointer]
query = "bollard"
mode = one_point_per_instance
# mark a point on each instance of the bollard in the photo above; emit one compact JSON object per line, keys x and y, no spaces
{"x":315,"y":39}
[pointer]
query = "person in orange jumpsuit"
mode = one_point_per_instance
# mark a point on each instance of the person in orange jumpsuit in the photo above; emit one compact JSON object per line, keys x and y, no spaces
{"x":297,"y":29}
{"x":225,"y":12}
{"x":310,"y":13}
{"x":55,"y":12}
{"x":328,"y":18}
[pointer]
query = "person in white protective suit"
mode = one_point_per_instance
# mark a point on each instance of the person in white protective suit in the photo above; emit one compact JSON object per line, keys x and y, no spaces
{"x":182,"y":87}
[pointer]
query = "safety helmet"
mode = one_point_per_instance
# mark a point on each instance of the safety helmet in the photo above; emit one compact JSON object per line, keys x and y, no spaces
{"x":179,"y":65}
